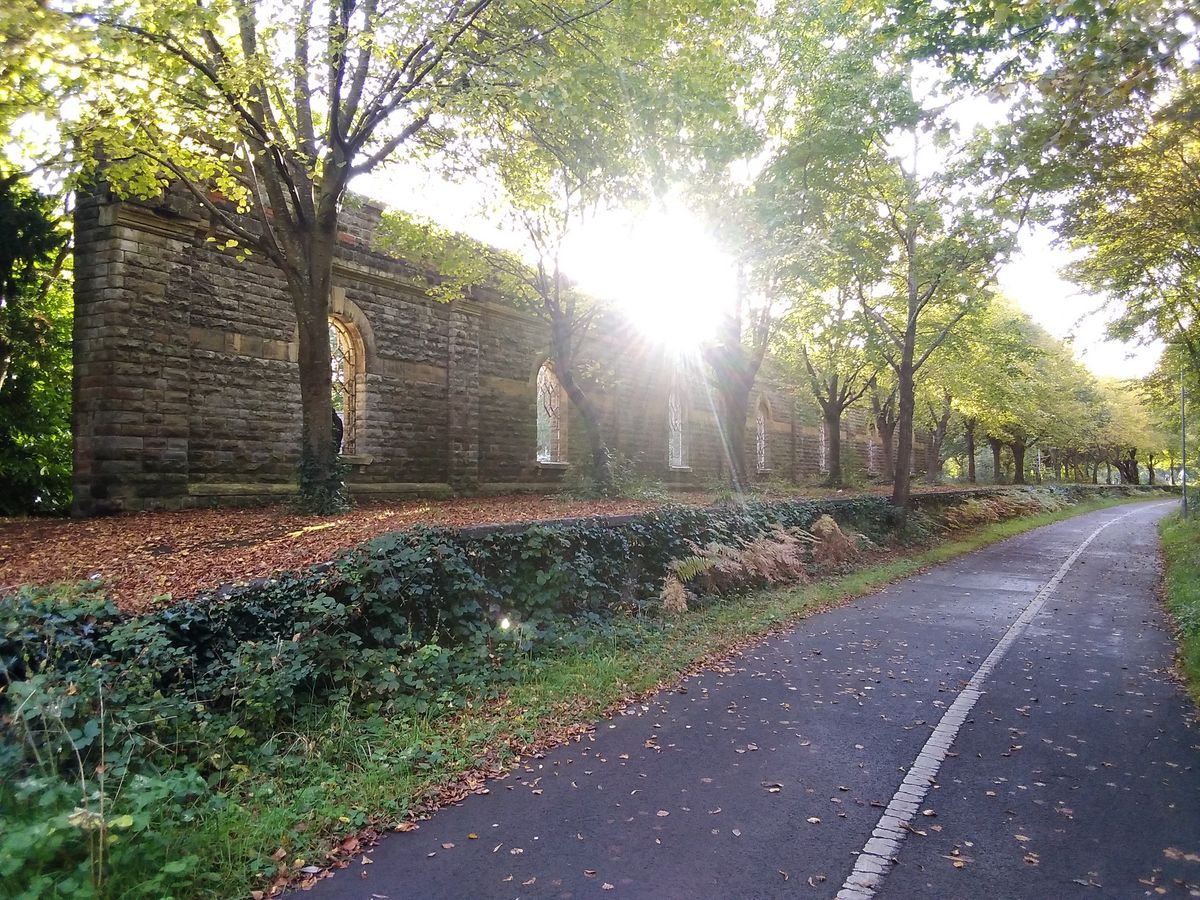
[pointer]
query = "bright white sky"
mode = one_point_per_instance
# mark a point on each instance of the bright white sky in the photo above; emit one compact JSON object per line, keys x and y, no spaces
{"x":1032,"y":280}
{"x":672,"y":277}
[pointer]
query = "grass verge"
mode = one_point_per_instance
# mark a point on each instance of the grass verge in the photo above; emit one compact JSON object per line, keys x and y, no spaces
{"x":349,"y":773}
{"x":1181,"y":588}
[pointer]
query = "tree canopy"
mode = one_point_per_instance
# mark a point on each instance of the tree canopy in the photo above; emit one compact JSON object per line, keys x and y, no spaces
{"x":821,"y":139}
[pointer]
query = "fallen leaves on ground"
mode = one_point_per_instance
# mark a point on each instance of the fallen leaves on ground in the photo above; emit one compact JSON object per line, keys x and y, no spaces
{"x":146,"y":555}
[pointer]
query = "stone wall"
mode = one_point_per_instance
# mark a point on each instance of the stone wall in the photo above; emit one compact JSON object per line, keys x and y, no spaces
{"x":186,"y":388}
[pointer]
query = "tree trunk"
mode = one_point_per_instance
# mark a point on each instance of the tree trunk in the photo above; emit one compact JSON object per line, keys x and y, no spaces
{"x":1107,"y":472}
{"x":970,"y":431}
{"x":1096,"y":473}
{"x":322,"y":488}
{"x":901,"y":488}
{"x":561,"y":334}
{"x":937,"y":438}
{"x":885,"y":428}
{"x":997,"y":472}
{"x":833,"y":447}
{"x":737,"y":409}
{"x":590,"y":414}
{"x":1018,"y":451}
{"x":734,"y":369}
{"x":1128,"y":467}
{"x":1150,"y":469}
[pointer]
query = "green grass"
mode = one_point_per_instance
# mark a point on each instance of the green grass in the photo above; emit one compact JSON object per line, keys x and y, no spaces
{"x":1181,"y":586}
{"x":351,"y":772}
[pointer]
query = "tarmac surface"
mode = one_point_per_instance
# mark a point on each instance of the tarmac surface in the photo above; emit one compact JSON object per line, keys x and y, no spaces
{"x":1073,"y":772}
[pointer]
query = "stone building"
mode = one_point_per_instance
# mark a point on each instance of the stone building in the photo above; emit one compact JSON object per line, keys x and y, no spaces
{"x":186,"y":389}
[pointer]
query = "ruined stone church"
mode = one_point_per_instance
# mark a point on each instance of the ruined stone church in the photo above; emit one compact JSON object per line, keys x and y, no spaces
{"x":186,"y":389}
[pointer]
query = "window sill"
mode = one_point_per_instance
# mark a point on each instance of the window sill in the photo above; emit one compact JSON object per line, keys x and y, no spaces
{"x":552,"y":464}
{"x":356,"y":459}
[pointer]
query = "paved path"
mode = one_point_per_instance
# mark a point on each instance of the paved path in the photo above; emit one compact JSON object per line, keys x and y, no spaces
{"x":1074,"y":773}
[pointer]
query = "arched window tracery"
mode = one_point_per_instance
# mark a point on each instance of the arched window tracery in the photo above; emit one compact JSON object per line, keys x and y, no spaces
{"x":348,"y":385}
{"x":677,"y":442}
{"x":761,"y":451}
{"x":551,"y":417}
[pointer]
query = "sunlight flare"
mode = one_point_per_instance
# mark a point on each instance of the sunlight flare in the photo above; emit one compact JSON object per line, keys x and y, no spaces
{"x":662,"y":267}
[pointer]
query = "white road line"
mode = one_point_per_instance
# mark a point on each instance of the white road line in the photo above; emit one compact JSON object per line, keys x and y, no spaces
{"x":876,"y":857}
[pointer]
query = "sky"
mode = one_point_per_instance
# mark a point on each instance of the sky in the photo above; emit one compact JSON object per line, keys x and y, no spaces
{"x":1032,"y":279}
{"x":672,"y":278}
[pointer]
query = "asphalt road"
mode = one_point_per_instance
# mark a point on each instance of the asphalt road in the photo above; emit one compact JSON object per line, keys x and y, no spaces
{"x":1066,"y":768}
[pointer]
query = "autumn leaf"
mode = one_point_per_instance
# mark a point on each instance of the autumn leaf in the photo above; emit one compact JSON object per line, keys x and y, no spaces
{"x":180,"y":552}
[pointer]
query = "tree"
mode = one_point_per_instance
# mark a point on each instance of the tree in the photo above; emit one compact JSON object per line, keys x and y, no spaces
{"x":936,"y":406}
{"x":1031,"y":392}
{"x":35,"y":353}
{"x":558,"y":163}
{"x":265,"y":115}
{"x":923,"y":265}
{"x":599,"y":143}
{"x":883,"y":414}
{"x":807,"y":108}
{"x":1137,"y":224}
{"x":734,"y":359}
{"x":919,"y":223}
{"x":1101,"y":104}
{"x":822,"y":341}
{"x":987,"y":366}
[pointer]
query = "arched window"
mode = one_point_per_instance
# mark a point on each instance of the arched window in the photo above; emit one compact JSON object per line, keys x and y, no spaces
{"x":760,"y":437}
{"x":349,"y":381}
{"x":551,"y":418}
{"x":677,"y":449}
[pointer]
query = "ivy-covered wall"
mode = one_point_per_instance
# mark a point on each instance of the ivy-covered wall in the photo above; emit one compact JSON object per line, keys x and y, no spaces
{"x":186,"y":389}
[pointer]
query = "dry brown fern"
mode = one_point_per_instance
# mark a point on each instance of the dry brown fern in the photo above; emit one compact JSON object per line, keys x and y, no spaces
{"x":834,"y":547}
{"x":674,"y":596}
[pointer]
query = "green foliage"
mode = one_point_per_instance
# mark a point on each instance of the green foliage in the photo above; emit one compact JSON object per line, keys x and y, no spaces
{"x":323,"y":492}
{"x":35,"y":354}
{"x":1180,"y":540}
{"x":626,"y":479}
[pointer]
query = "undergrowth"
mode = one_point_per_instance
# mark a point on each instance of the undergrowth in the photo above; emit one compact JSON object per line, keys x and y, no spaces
{"x":229,"y":742}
